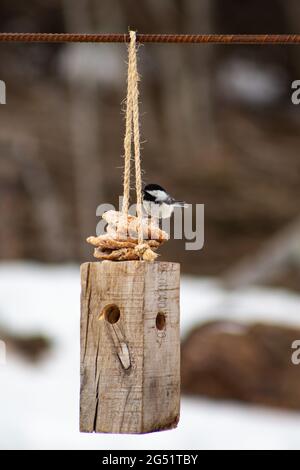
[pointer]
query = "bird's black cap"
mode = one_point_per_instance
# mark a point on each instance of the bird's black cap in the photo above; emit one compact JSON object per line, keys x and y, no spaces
{"x":153,"y":187}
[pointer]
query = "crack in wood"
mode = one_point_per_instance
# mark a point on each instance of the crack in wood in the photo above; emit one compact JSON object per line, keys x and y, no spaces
{"x":124,"y":407}
{"x":97,"y":381}
{"x":96,"y":362}
{"x":87,"y":324}
{"x":96,"y":414}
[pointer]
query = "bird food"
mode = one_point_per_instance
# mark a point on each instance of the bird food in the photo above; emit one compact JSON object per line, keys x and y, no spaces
{"x":121,"y":243}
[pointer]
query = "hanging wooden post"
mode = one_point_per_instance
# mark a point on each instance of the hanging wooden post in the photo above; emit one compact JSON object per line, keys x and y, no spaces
{"x":130,"y":347}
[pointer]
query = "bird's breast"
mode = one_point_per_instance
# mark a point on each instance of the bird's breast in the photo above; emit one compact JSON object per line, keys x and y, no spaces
{"x":158,"y":211}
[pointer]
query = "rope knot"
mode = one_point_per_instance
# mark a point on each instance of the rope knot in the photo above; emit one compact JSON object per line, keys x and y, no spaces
{"x":144,"y":252}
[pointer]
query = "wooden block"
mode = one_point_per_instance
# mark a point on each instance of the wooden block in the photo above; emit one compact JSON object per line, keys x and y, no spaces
{"x":130,"y":347}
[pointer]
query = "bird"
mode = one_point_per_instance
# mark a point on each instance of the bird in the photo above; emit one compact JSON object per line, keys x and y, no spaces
{"x":158,"y":203}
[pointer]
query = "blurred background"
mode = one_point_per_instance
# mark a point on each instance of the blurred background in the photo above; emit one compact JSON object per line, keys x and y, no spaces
{"x":219,"y":128}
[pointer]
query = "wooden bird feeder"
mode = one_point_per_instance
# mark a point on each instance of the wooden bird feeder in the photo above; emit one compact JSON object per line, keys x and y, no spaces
{"x":129,"y":333}
{"x":130,"y":346}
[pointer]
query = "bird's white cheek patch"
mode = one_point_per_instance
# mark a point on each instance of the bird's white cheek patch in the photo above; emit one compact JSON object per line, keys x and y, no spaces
{"x":159,"y":195}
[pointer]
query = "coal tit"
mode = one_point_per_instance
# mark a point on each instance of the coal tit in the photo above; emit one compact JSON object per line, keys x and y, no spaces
{"x":158,"y":203}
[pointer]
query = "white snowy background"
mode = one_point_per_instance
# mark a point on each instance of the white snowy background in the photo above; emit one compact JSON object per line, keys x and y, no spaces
{"x":39,"y":403}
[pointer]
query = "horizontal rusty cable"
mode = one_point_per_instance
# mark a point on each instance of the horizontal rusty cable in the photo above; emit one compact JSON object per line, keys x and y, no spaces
{"x":259,"y":39}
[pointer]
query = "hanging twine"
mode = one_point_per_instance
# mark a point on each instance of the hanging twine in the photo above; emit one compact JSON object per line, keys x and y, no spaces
{"x":132,"y":132}
{"x":127,"y":139}
{"x":128,"y":237}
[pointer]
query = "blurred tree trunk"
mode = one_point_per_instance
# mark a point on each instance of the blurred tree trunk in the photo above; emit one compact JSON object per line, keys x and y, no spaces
{"x":47,"y":209}
{"x":186,"y":91}
{"x":84,"y":134}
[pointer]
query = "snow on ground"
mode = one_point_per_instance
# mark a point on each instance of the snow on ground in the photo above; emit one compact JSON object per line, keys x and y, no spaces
{"x":39,"y":404}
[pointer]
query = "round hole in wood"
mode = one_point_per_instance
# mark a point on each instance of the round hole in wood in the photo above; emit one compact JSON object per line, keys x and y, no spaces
{"x":160,"y":321}
{"x":111,"y":313}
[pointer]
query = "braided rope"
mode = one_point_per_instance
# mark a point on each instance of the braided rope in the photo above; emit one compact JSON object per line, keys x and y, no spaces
{"x":132,"y":132}
{"x":127,"y":140}
{"x":134,"y":77}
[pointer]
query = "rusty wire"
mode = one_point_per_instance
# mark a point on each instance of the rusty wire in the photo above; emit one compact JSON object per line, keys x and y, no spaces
{"x":259,"y":39}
